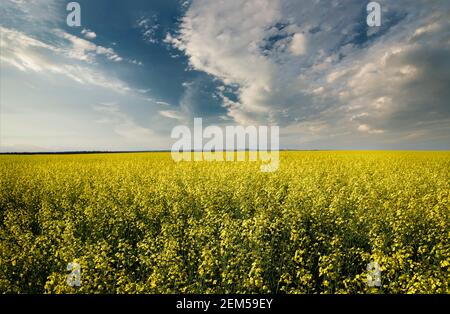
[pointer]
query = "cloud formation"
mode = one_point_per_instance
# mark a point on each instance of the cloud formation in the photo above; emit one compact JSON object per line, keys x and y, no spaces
{"x":317,"y":68}
{"x":314,"y":68}
{"x":88,"y":33}
{"x":69,"y":57}
{"x":148,"y":27}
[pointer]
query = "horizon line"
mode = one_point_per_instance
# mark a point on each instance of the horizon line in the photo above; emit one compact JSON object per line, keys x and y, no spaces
{"x":81,"y":152}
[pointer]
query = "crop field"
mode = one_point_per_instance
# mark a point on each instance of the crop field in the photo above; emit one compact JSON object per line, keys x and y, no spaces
{"x":141,"y":223}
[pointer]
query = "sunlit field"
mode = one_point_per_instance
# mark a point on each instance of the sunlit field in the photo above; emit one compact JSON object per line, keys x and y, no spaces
{"x":141,"y":223}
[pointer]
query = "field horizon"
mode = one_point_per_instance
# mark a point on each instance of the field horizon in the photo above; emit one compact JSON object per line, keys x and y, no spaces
{"x":142,"y":223}
{"x":81,"y":152}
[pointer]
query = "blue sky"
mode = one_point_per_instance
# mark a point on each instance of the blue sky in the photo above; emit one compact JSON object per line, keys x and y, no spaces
{"x":135,"y":69}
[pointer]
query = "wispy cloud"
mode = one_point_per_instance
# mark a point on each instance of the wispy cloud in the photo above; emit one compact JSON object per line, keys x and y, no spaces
{"x":172,"y":114}
{"x":73,"y":59}
{"x":148,"y":26}
{"x":123,"y":124}
{"x":163,"y":103}
{"x":85,"y":50}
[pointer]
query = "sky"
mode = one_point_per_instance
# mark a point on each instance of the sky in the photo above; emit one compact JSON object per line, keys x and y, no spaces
{"x":136,"y":69}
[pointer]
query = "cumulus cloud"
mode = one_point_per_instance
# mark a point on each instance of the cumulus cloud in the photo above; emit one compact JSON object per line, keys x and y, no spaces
{"x":317,"y":63}
{"x":88,"y":33}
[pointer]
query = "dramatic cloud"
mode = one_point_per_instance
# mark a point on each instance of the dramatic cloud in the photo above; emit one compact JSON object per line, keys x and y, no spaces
{"x":318,"y":64}
{"x":314,"y":68}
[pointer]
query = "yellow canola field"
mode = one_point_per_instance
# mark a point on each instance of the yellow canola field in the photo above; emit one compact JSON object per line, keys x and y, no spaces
{"x":141,"y":223}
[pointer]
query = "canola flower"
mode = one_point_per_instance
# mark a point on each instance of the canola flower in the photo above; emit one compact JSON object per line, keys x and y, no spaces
{"x":141,"y":223}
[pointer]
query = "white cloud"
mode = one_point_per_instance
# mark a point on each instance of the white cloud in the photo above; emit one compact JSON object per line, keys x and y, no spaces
{"x":298,"y":44}
{"x":172,"y":114}
{"x":295,"y":62}
{"x":29,"y":54}
{"x":136,"y":62}
{"x":368,"y":129}
{"x":88,"y":33}
{"x":85,"y":50}
{"x":222,"y":39}
{"x":148,"y":27}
